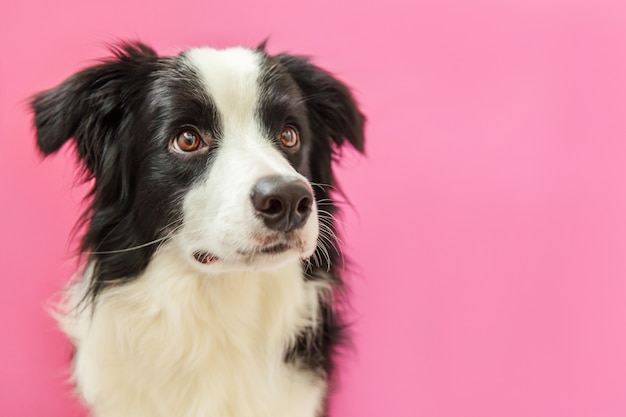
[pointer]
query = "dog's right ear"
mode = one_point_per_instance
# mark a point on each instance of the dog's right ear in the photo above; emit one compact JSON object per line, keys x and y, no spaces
{"x":87,"y":106}
{"x":329,"y":101}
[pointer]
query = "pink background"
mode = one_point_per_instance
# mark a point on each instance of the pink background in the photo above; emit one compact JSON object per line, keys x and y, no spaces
{"x":488,"y":228}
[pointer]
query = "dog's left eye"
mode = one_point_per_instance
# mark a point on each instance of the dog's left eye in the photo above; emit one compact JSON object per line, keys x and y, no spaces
{"x":289,"y":138}
{"x":187,"y":141}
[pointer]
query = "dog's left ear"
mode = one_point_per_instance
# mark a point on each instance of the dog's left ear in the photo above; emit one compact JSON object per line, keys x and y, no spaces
{"x":330,"y":103}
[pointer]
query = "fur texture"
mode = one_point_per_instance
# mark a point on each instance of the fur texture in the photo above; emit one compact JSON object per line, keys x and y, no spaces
{"x":191,"y":303}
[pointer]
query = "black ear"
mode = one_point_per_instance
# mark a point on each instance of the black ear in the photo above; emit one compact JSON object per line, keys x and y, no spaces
{"x":329,"y":101}
{"x":263,"y":45}
{"x":87,"y":105}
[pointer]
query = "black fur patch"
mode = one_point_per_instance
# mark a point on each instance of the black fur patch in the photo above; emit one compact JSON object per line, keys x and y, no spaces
{"x":122,"y":115}
{"x":332,"y":118}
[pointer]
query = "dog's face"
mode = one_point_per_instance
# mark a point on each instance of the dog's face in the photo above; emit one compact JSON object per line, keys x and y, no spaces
{"x":251,"y":204}
{"x":226,"y":154}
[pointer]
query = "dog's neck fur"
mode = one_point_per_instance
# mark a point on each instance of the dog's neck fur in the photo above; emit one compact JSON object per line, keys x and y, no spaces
{"x":198,"y":344}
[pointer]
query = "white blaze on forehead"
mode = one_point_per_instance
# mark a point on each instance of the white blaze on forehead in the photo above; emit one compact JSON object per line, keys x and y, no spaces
{"x":232,"y":80}
{"x":231,"y":77}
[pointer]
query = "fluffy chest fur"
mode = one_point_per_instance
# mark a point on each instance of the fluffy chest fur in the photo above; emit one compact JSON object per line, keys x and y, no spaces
{"x":175,"y":342}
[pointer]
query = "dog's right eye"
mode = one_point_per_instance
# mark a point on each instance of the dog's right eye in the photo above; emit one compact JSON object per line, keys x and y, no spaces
{"x":188,"y":141}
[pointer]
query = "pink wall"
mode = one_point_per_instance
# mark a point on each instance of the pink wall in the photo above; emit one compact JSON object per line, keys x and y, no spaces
{"x":489,"y":222}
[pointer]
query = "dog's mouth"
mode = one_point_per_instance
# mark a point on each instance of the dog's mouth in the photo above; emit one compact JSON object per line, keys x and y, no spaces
{"x":271,"y":249}
{"x":207,"y":258}
{"x":204,"y":257}
{"x":275,"y":248}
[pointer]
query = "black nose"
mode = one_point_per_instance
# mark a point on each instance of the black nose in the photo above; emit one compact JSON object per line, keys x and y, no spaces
{"x":283,"y":203}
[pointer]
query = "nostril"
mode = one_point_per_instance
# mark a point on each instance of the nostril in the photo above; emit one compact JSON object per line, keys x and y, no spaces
{"x":267,"y":203}
{"x":273,"y":206}
{"x":304,"y":205}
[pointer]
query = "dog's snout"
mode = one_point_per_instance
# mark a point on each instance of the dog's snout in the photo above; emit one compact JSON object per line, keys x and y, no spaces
{"x":284,"y":203}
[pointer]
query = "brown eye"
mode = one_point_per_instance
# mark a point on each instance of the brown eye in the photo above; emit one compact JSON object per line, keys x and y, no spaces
{"x":187,"y":141}
{"x":289,"y":137}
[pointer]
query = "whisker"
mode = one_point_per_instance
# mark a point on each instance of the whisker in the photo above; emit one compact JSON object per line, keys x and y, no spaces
{"x":132,"y":248}
{"x":332,"y":235}
{"x":321,"y":185}
{"x":160,"y":240}
{"x":316,"y":258}
{"x":327,"y":218}
{"x":328,"y":240}
{"x":324,"y":251}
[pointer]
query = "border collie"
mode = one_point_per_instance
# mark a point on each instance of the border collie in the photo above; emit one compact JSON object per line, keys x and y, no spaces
{"x":210,"y":254}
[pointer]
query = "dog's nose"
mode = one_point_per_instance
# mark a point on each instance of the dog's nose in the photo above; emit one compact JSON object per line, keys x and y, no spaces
{"x":284,"y":203}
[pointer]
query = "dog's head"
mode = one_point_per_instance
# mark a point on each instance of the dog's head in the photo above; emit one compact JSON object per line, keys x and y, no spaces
{"x":226,"y":154}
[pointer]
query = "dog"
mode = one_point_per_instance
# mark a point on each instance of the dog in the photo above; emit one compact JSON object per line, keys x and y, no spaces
{"x":210,"y":250}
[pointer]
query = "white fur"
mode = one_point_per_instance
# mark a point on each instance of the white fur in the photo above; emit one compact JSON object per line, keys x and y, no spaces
{"x":175,"y":343}
{"x":191,"y":340}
